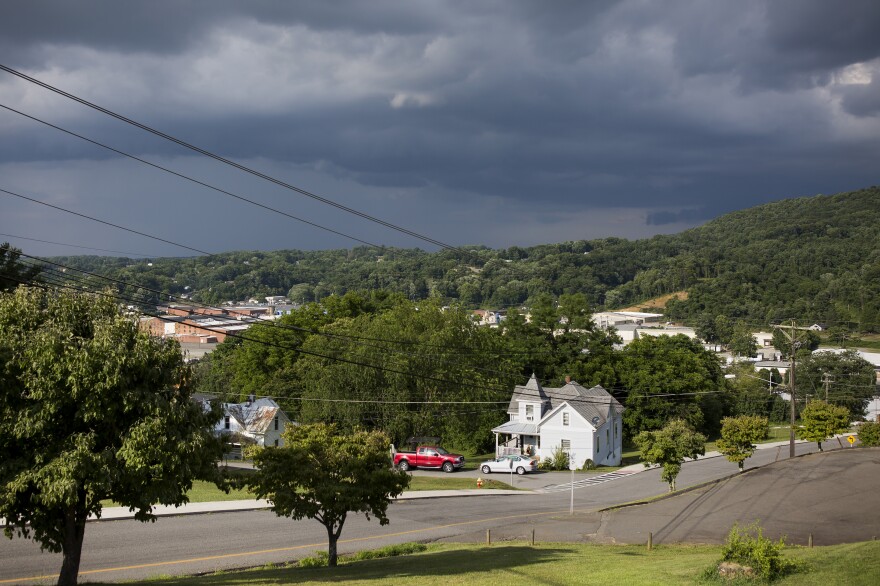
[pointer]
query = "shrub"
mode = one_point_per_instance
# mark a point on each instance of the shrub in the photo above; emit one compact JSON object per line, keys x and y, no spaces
{"x":319,"y":560}
{"x":869,"y":434}
{"x":588,"y":465}
{"x":749,"y":547}
{"x":390,"y":551}
{"x":558,"y":461}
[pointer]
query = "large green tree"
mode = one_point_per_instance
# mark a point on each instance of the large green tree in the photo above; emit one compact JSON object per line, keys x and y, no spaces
{"x":670,"y":447}
{"x":844,"y":379}
{"x":324,"y":473}
{"x":262,"y":359}
{"x":91,"y":409}
{"x":738,"y":437}
{"x":416,"y":369}
{"x":557,"y":338}
{"x":670,"y":377}
{"x":13,"y":272}
{"x":821,"y":421}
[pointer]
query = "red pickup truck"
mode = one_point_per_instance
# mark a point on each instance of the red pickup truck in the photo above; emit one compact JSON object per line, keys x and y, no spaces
{"x":428,"y":457}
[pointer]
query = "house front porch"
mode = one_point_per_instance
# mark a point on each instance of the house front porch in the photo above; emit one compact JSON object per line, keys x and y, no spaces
{"x":516,"y":438}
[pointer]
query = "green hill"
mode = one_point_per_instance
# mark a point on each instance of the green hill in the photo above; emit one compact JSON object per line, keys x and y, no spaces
{"x":814,"y":258}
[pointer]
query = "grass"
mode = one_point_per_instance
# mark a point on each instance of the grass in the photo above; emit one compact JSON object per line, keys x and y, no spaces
{"x":206,"y":492}
{"x":513,"y":563}
{"x":434,"y":483}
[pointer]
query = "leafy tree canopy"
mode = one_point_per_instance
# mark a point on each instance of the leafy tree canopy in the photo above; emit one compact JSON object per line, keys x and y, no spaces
{"x":415,"y":369}
{"x":325,"y":473}
{"x":669,"y":447}
{"x":738,"y":437}
{"x":670,"y":377}
{"x":13,"y":272}
{"x":851,"y":379}
{"x":822,"y":421}
{"x":90,"y":409}
{"x":869,"y":434}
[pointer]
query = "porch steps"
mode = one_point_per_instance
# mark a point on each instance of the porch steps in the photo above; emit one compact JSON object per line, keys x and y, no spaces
{"x":585,"y":482}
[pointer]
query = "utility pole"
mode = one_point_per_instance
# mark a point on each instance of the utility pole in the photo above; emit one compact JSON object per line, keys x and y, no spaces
{"x":827,"y":379}
{"x":795,"y":344}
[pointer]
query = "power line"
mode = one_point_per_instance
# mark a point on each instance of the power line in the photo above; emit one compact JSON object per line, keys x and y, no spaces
{"x":353,"y":339}
{"x":229,"y":162}
{"x":188,"y":178}
{"x":77,"y":246}
{"x":103,"y":222}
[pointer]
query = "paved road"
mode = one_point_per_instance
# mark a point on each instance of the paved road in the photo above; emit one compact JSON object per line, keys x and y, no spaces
{"x":833,"y":495}
{"x":195,"y":543}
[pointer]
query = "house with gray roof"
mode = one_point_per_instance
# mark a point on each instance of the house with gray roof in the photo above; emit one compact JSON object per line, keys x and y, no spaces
{"x":260,"y":422}
{"x":586,"y":423}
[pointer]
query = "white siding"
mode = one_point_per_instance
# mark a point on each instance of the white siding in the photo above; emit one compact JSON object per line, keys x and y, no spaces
{"x":579,"y":433}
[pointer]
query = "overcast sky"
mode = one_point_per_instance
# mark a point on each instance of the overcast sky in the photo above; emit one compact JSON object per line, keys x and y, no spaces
{"x":480,"y":122}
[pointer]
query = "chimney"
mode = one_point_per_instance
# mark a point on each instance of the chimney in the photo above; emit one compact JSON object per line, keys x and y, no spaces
{"x":567,"y":379}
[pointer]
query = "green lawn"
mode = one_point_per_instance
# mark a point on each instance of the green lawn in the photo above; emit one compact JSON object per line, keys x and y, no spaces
{"x":512,"y":563}
{"x":205,"y":492}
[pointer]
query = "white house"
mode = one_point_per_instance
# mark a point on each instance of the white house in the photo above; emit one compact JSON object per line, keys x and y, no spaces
{"x":586,"y":423}
{"x":259,"y":422}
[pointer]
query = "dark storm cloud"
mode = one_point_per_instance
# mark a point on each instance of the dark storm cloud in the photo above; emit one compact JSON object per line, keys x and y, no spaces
{"x":679,"y":111}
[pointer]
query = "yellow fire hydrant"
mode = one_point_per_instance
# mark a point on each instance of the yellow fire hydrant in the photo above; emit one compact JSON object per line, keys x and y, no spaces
{"x":479,"y":483}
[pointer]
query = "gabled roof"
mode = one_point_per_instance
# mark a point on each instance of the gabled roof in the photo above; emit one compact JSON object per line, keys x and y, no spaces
{"x":595,"y":404}
{"x":531,"y":392}
{"x":255,"y":416}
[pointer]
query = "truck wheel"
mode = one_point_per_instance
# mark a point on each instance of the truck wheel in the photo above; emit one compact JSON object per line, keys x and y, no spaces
{"x":448,"y":467}
{"x":486,"y":470}
{"x":520,"y":470}
{"x":403,"y":465}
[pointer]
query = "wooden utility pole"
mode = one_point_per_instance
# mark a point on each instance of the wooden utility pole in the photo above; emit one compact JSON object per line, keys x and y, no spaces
{"x":827,"y":379}
{"x":795,"y":344}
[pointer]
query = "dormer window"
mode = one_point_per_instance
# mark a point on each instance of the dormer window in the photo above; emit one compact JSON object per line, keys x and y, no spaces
{"x":565,"y":418}
{"x":530,"y":412}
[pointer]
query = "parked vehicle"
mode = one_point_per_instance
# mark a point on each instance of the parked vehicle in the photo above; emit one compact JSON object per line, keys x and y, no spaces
{"x":428,"y":457}
{"x":518,"y":464}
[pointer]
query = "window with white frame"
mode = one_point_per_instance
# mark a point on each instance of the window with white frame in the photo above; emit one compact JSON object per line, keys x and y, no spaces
{"x":566,"y":445}
{"x":565,"y":418}
{"x":530,"y":412}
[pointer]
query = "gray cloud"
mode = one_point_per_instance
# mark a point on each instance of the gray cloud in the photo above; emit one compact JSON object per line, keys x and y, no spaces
{"x":676,"y":112}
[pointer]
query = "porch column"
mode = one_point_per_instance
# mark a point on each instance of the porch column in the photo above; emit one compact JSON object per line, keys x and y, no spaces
{"x":496,"y":444}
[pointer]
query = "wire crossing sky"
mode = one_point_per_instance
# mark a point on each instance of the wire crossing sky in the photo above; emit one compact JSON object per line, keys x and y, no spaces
{"x":497,"y":123}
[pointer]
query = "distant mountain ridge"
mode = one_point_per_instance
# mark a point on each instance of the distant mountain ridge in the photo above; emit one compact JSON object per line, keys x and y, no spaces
{"x":812,"y":258}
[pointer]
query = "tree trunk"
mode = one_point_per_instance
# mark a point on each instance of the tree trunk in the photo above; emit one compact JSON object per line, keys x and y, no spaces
{"x":742,"y":466}
{"x":819,"y":443}
{"x":74,"y":529}
{"x":332,"y":538}
{"x":331,"y":549}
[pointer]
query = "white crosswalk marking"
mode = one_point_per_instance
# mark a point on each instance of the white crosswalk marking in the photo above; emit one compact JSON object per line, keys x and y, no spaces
{"x":586,"y":481}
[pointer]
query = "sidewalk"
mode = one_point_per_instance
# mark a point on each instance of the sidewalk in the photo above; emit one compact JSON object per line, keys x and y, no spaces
{"x":117,"y":513}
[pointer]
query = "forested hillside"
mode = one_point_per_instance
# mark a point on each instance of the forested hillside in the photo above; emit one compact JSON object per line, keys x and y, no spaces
{"x":814,"y":258}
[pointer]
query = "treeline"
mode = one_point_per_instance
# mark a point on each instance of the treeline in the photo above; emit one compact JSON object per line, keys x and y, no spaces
{"x":411,"y":368}
{"x":814,"y":259}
